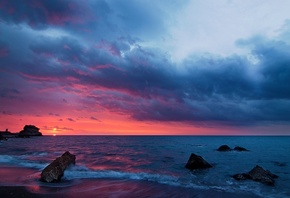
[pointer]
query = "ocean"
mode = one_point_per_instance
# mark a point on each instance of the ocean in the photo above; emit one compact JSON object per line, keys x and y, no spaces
{"x":147,"y":166}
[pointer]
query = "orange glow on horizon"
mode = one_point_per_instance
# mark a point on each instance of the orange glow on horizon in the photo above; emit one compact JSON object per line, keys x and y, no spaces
{"x":117,"y":125}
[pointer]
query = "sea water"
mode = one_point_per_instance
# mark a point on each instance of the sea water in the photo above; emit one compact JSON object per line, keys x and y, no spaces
{"x":155,"y":164}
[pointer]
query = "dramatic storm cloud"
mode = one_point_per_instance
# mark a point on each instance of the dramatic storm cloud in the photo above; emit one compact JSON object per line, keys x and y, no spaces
{"x":189,"y":63}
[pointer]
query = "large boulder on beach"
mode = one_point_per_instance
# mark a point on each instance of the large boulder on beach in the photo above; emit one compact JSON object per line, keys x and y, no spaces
{"x":258,"y":174}
{"x":30,"y":130}
{"x":54,"y":171}
{"x":196,"y":162}
{"x":224,"y":148}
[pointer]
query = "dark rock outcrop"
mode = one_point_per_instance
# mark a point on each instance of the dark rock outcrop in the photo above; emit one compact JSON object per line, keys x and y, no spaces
{"x":224,"y":148}
{"x":197,"y":162}
{"x":7,"y":134}
{"x":239,"y":148}
{"x":54,"y":171}
{"x":258,"y":174}
{"x":1,"y":137}
{"x":30,"y":130}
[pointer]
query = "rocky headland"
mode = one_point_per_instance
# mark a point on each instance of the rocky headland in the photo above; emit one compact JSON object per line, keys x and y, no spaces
{"x":28,"y":131}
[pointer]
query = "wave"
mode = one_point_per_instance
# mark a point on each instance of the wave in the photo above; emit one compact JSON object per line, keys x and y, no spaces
{"x":20,"y":161}
{"x":83,"y":172}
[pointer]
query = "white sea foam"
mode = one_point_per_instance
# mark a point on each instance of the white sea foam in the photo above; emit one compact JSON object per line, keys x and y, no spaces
{"x":19,"y":161}
{"x":82,"y":172}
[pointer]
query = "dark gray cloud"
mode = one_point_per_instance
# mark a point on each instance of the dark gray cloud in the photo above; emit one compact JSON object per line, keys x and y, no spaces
{"x":105,"y":67}
{"x":149,"y":87}
{"x":56,"y":128}
{"x":93,"y":118}
{"x":9,"y":93}
{"x":70,"y":119}
{"x":4,"y":49}
{"x":41,"y":14}
{"x":54,"y":114}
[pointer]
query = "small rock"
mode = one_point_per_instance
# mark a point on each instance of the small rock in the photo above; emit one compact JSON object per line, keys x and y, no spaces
{"x":239,"y":148}
{"x":258,"y":174}
{"x":197,"y":162}
{"x":241,"y":176}
{"x":54,"y":171}
{"x":224,"y":148}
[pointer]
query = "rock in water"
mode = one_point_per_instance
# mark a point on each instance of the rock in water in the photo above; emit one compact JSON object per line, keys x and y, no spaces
{"x":30,"y":130}
{"x":224,"y":148}
{"x":258,"y":174}
{"x":239,"y":148}
{"x":261,"y":175}
{"x":197,"y":162}
{"x":54,"y":171}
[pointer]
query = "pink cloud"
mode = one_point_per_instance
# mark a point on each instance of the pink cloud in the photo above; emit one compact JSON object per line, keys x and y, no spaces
{"x":38,"y":78}
{"x":105,"y":66}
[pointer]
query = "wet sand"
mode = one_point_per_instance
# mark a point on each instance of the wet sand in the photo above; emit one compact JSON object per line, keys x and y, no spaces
{"x":19,"y":192}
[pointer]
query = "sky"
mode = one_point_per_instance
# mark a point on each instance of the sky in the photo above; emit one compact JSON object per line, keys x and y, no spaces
{"x":142,"y":67}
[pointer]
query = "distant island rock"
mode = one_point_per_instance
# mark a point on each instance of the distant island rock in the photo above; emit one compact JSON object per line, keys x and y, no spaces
{"x":54,"y":171}
{"x":258,"y":174}
{"x":239,"y":148}
{"x":197,"y":162}
{"x":223,"y":148}
{"x":30,"y":130}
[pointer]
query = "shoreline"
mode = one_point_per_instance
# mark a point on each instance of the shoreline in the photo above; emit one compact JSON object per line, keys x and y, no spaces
{"x":24,"y":182}
{"x":113,"y":189}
